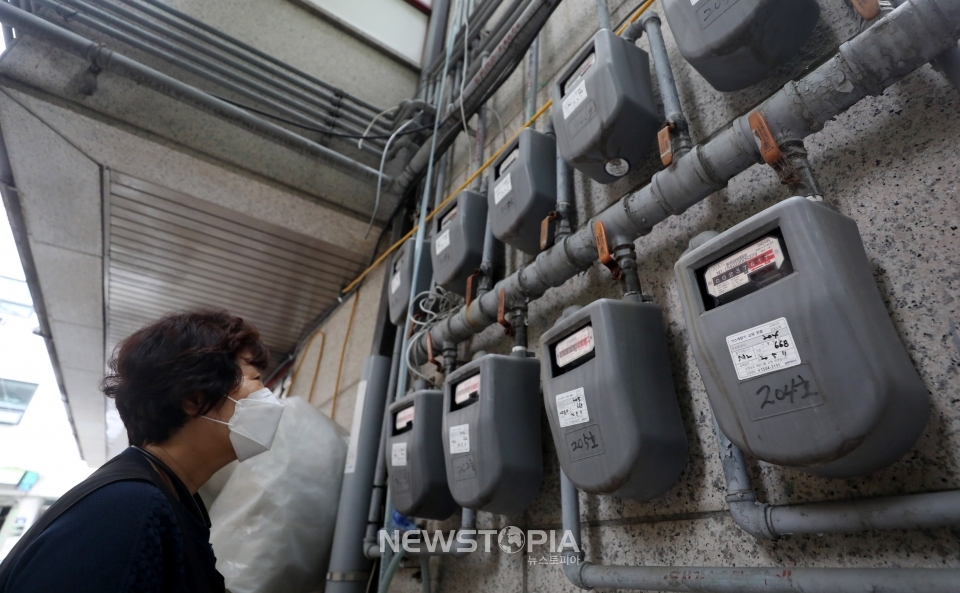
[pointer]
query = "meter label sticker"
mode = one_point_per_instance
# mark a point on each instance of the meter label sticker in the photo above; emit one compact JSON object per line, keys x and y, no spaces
{"x":573,"y":347}
{"x":574,"y":98}
{"x":780,"y":393}
{"x":585,"y":442}
{"x":443,"y":241}
{"x":460,"y":439}
{"x":763,"y":349}
{"x":398,"y":455}
{"x":351,"y":464}
{"x":467,"y":388}
{"x":395,"y":283}
{"x":404,"y":418}
{"x":502,"y":188}
{"x":572,"y":408}
{"x":735,"y":271}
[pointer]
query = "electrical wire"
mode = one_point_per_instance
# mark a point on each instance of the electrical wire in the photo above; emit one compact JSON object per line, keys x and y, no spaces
{"x":362,"y":137}
{"x":435,"y":306}
{"x":503,"y":131}
{"x":383,"y":160}
{"x":373,"y":121}
{"x":463,"y":78}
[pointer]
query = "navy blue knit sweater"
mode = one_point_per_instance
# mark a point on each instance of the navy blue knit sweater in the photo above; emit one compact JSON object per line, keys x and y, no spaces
{"x":122,"y":538}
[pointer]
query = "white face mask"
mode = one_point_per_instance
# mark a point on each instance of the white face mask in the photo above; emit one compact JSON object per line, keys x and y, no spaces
{"x":254,"y":423}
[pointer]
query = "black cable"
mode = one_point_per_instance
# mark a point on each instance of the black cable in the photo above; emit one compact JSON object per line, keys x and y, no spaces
{"x":318,"y":130}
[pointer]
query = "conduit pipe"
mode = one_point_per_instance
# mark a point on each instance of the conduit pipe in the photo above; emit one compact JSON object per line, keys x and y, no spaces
{"x":333,"y":106}
{"x":231,"y":45}
{"x":503,"y":59}
{"x":897,"y":45}
{"x":109,"y":60}
{"x":766,"y":521}
{"x":713,"y":579}
{"x":672,"y":110}
{"x":603,"y":12}
{"x":207,"y":69}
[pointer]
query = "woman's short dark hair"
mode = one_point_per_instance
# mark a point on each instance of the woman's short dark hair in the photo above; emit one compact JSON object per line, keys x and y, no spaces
{"x":182,"y":356}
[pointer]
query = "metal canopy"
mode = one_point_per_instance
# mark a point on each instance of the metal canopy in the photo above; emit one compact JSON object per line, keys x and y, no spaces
{"x":167,"y":251}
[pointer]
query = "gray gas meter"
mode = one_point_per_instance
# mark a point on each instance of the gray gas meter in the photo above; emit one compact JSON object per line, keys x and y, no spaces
{"x":523,"y":190}
{"x":735,"y":43}
{"x":458,"y":240}
{"x":603,"y":109}
{"x":418,"y":475}
{"x":801,"y":362}
{"x":610,"y":400}
{"x":491,"y":433}
{"x":401,"y":278}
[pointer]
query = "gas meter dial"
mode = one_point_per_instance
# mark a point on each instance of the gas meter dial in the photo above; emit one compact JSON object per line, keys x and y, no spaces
{"x":418,"y":475}
{"x":491,"y":433}
{"x":604,"y":112}
{"x":610,"y":400}
{"x":801,"y":362}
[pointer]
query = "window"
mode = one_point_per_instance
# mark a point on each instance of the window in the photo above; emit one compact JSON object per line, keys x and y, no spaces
{"x":15,"y":396}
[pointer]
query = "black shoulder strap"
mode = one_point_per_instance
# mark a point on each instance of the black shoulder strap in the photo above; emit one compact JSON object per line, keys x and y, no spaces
{"x":128,"y":466}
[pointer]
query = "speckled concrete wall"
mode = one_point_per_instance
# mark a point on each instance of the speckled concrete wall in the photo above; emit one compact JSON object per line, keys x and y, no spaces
{"x":892,"y":163}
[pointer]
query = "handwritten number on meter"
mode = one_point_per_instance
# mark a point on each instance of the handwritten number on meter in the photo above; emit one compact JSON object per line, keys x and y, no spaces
{"x":771,"y":396}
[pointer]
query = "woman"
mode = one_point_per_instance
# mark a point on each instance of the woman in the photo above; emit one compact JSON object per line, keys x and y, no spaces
{"x":189,"y":391}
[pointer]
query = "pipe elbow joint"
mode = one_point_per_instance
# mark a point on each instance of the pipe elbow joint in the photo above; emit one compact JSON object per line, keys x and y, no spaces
{"x":751,"y":516}
{"x":574,"y":571}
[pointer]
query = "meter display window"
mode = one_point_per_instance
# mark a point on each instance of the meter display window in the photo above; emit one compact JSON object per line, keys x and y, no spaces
{"x":467,"y":392}
{"x":403,"y":421}
{"x":745,"y":271}
{"x":573,"y":351}
{"x":506,"y":162}
{"x":447,"y":218}
{"x":577,"y":76}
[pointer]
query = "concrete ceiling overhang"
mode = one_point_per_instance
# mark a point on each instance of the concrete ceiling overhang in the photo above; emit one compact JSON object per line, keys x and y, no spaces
{"x":42,"y":68}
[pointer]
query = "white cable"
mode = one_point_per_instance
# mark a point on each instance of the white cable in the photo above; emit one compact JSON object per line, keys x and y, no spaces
{"x":503,"y":132}
{"x":373,"y":121}
{"x":383,"y":159}
{"x":463,"y":78}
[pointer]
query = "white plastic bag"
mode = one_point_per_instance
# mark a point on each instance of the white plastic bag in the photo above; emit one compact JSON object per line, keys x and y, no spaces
{"x":273,"y":521}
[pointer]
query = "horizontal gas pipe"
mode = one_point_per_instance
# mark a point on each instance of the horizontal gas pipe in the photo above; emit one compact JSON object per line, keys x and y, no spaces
{"x":767,"y":521}
{"x":715,"y":579}
{"x":898,"y":44}
{"x":109,"y":60}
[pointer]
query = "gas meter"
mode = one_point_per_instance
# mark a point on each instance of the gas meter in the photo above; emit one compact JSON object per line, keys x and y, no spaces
{"x":735,"y":43}
{"x":610,"y":399}
{"x":491,"y":433}
{"x":523,"y":191}
{"x":603,"y":109}
{"x":458,"y":240}
{"x":418,"y":475}
{"x":401,"y":278}
{"x":801,"y":362}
